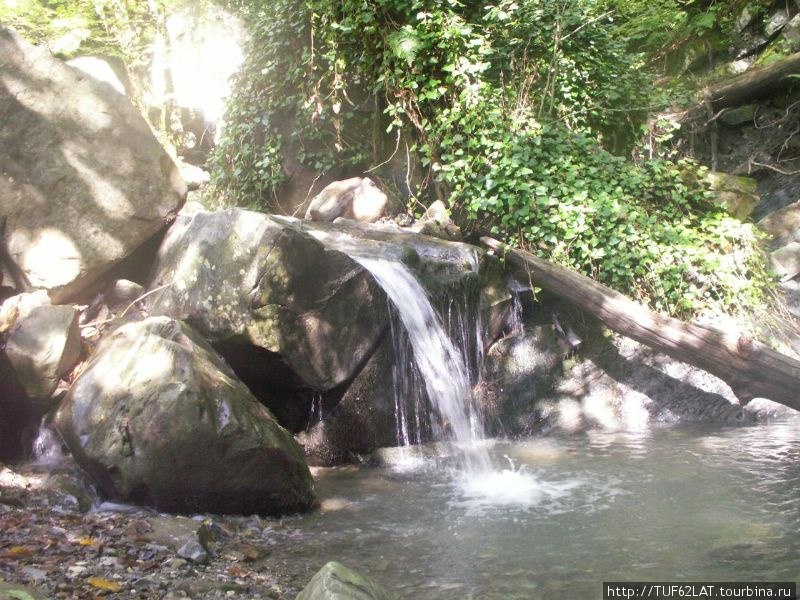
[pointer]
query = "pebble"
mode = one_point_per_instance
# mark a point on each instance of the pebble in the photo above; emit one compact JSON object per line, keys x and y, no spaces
{"x":59,"y":552}
{"x":193,"y":551}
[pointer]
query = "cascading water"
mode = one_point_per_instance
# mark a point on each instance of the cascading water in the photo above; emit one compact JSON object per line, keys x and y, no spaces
{"x":416,"y":421}
{"x":444,"y":370}
{"x":446,"y":375}
{"x":47,"y":446}
{"x":442,"y":367}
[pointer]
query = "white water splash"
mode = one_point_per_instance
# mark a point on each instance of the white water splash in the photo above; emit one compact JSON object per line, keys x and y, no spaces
{"x":511,"y":487}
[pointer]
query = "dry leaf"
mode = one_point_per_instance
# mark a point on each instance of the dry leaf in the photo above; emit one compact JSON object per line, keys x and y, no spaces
{"x":18,"y":552}
{"x":88,"y":541}
{"x":104,"y":584}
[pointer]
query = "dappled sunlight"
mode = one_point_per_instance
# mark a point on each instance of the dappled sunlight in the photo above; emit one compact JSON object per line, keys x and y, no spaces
{"x":107,"y":194}
{"x":155,"y":365}
{"x":627,"y":412}
{"x":22,"y":481}
{"x":37,"y":97}
{"x":50,"y":258}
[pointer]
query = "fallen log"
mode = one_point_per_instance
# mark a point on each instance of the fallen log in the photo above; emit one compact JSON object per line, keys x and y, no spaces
{"x":755,"y":83}
{"x":751,"y":369}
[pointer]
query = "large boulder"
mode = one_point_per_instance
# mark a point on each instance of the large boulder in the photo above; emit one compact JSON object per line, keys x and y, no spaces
{"x":83,"y":181}
{"x":786,"y":261}
{"x":783,"y":225}
{"x":520,"y":371}
{"x":243,"y":276}
{"x":739,"y":195}
{"x":334,"y":581}
{"x":43,"y":345}
{"x":300,"y":319}
{"x":436,"y":222}
{"x":158,"y":418}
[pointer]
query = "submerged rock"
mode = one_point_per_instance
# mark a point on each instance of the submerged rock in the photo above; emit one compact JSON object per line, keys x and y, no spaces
{"x":158,"y":418}
{"x":83,"y":180}
{"x":334,"y":581}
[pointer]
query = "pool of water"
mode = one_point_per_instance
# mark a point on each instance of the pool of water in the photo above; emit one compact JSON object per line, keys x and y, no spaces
{"x":560,"y":515}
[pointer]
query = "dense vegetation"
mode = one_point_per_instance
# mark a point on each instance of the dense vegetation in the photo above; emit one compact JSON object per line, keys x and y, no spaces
{"x":520,"y":113}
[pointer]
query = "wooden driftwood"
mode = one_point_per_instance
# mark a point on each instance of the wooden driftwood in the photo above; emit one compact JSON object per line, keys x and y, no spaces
{"x":750,"y":368}
{"x":755,"y":83}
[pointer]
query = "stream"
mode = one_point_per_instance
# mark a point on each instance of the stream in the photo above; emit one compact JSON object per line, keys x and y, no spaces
{"x":685,"y":503}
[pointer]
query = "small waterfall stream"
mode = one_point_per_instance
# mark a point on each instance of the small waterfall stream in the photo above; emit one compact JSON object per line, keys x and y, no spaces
{"x":442,"y":367}
{"x":445,"y":368}
{"x":446,"y":372}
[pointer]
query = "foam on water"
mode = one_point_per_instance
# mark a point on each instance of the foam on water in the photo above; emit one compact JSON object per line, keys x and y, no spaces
{"x":516,"y":488}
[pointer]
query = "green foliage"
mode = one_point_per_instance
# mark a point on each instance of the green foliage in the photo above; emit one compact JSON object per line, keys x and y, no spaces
{"x":659,"y":28}
{"x":514,"y":107}
{"x":121,"y":28}
{"x":648,"y":231}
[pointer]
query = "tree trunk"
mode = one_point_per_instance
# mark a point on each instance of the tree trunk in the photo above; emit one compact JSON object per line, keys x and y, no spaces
{"x":750,"y":368}
{"x":755,"y":83}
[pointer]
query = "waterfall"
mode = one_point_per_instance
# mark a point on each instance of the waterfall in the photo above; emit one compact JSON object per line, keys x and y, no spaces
{"x":442,"y":367}
{"x":447,"y":372}
{"x":47,"y":445}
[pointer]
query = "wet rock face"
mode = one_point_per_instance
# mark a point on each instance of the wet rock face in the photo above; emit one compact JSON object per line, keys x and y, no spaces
{"x":158,"y":418}
{"x":15,"y":412}
{"x":83,"y":181}
{"x":239,"y":275}
{"x":520,"y":371}
{"x":362,"y":421}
